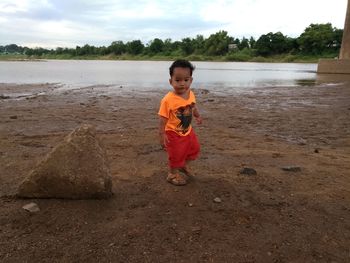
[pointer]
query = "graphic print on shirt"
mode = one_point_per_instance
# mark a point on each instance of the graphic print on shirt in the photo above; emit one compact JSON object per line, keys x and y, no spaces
{"x":184,"y":114}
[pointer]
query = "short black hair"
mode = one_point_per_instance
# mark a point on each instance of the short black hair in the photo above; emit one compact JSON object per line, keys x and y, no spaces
{"x":181,"y":63}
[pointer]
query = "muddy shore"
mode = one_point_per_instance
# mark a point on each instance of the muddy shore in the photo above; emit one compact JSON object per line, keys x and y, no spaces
{"x":273,"y":216}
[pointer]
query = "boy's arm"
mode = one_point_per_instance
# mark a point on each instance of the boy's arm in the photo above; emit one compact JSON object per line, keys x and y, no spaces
{"x":163,"y":139}
{"x":197,"y":116}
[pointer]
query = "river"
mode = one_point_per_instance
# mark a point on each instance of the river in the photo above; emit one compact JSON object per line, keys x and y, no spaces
{"x":146,"y":75}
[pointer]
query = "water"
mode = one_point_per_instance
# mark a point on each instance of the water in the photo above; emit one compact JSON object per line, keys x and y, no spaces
{"x":148,"y":75}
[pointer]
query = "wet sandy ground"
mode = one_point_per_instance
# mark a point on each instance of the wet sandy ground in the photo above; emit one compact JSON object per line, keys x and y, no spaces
{"x":274,"y":216}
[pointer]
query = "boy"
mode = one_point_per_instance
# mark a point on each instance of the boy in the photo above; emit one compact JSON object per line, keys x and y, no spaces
{"x":175,"y":131}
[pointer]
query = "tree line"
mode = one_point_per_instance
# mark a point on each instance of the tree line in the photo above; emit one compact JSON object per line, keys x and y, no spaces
{"x":316,"y":40}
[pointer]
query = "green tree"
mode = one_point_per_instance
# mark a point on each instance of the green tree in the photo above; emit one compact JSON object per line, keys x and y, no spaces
{"x":338,"y":36}
{"x":156,"y":46}
{"x":134,"y":47}
{"x":271,"y":44}
{"x":252,"y":42}
{"x":199,"y":44}
{"x":263,"y":45}
{"x":86,"y":50}
{"x":317,"y":39}
{"x":13,"y":48}
{"x":39,"y":51}
{"x":187,"y":46}
{"x":168,"y":46}
{"x":103,"y":51}
{"x":244,"y":43}
{"x":217,"y":44}
{"x":117,"y":47}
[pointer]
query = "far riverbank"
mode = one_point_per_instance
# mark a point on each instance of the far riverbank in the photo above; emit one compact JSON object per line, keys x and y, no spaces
{"x":236,"y":57}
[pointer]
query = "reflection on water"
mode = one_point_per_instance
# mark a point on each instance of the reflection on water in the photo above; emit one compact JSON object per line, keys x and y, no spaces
{"x":305,"y":82}
{"x":322,"y":79}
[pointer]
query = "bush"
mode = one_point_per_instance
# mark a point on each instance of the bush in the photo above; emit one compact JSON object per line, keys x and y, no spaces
{"x":260,"y":59}
{"x":289,"y":58}
{"x":238,"y":57}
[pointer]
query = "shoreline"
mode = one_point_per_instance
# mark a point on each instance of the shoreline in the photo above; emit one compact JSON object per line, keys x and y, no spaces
{"x":288,"y":216}
{"x":214,"y":59}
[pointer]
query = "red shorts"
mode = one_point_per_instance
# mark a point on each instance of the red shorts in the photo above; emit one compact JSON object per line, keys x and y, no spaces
{"x":181,"y":148}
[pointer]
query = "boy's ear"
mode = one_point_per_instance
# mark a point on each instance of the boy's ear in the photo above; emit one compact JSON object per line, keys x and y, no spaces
{"x":170,"y":81}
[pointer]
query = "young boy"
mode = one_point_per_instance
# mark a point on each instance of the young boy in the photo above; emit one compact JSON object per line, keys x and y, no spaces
{"x":175,"y":130}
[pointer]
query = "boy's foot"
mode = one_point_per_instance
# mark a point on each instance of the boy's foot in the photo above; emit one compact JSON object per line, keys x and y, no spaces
{"x":187,"y":171}
{"x":176,"y":179}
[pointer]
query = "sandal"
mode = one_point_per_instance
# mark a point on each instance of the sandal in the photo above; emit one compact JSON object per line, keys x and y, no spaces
{"x":176,"y":179}
{"x":187,"y":171}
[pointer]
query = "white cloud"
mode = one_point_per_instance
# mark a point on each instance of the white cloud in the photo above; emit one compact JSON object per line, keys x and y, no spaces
{"x":257,"y":17}
{"x":99,"y":22}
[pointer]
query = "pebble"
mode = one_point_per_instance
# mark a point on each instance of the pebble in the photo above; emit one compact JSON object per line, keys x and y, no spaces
{"x":196,"y":229}
{"x":291,"y":168}
{"x":31,"y":207}
{"x":217,"y":200}
{"x":3,"y":97}
{"x":248,"y":171}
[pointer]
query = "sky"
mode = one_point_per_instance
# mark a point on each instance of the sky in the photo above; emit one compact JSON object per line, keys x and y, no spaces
{"x":68,"y":23}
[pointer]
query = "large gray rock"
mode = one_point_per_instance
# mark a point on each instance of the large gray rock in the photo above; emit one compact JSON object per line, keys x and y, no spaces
{"x":75,"y":169}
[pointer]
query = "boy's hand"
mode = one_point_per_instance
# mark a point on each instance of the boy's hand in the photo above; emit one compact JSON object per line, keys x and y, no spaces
{"x":199,"y":120}
{"x":163,"y":139}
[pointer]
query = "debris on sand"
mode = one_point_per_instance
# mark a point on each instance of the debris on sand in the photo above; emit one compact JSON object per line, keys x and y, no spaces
{"x":217,"y":200}
{"x":291,"y":168}
{"x":248,"y":171}
{"x":31,"y":207}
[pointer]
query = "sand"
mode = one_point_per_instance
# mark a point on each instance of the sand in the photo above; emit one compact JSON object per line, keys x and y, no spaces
{"x":273,"y":216}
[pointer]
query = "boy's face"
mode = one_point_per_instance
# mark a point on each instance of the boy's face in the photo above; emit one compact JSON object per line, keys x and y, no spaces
{"x":181,"y":80}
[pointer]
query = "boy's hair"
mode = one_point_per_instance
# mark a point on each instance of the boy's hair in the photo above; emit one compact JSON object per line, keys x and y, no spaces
{"x":181,"y":63}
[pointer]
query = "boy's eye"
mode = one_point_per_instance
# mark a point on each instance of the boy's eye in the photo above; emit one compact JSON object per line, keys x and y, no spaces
{"x":186,"y":80}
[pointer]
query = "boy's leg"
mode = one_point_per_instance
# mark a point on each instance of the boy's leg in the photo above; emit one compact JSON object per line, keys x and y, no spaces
{"x":194,"y":147}
{"x":177,"y":150}
{"x":193,"y":153}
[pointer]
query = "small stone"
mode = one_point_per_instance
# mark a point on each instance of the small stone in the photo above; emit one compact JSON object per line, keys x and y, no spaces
{"x":276,"y":155}
{"x":248,"y":171}
{"x":217,"y":200}
{"x":196,"y":229}
{"x":291,"y":168}
{"x":3,"y":97}
{"x":31,"y":207}
{"x":190,"y":204}
{"x":316,"y":150}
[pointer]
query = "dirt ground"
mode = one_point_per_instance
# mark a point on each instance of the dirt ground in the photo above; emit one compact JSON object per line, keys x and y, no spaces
{"x":273,"y":216}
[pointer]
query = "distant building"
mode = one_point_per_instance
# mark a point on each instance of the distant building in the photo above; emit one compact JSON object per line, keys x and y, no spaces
{"x":232,"y":47}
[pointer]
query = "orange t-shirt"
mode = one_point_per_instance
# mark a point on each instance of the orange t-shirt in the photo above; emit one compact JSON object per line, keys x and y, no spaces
{"x":178,"y":111}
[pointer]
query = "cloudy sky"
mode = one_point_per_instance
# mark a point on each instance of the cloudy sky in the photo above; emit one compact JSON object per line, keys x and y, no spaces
{"x":67,"y":23}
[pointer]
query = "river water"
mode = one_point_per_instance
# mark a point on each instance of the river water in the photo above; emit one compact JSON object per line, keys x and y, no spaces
{"x":148,"y":75}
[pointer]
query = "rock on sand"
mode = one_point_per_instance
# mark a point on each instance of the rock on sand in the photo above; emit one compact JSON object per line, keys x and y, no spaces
{"x":75,"y":169}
